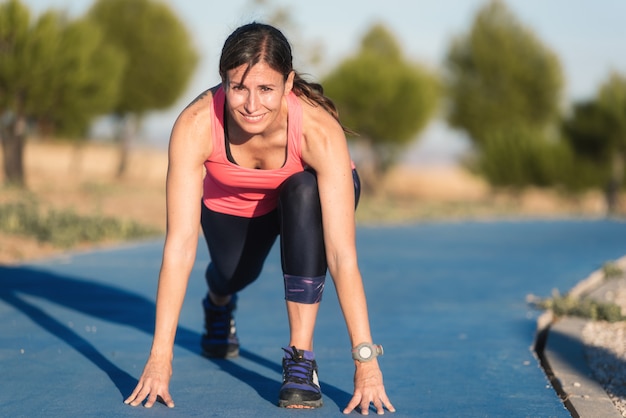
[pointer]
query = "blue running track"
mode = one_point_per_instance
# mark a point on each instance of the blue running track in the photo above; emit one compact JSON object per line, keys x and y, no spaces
{"x":447,"y":301}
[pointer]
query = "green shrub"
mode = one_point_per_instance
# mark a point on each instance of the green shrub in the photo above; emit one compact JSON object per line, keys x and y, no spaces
{"x":583,"y":308}
{"x":517,"y":157}
{"x":65,"y":228}
{"x":612,"y":270}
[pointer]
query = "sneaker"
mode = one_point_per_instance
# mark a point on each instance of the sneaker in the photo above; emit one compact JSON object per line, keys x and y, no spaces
{"x":220,"y":337}
{"x":301,"y":388}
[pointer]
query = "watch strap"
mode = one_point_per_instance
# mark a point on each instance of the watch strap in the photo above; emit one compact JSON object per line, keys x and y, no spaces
{"x":376,"y":350}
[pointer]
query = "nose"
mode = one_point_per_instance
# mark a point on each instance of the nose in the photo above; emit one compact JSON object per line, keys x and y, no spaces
{"x":251,"y":102}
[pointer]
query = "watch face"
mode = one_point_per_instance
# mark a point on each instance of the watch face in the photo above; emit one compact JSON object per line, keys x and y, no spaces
{"x":365,"y":352}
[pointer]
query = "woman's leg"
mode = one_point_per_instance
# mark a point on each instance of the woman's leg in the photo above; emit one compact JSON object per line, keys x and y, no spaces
{"x":238,"y":248}
{"x":303,"y":253}
{"x":304,"y":269}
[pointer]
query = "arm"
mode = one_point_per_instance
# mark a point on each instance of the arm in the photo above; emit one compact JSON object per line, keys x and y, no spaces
{"x":325,"y":149}
{"x":189,"y":147}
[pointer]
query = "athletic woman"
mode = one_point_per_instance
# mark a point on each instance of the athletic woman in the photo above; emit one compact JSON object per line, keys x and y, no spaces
{"x":266,"y":155}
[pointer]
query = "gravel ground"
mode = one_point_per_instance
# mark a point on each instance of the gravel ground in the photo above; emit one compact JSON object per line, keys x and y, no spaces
{"x":605,"y":347}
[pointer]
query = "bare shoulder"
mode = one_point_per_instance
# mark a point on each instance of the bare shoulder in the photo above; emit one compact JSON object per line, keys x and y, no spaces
{"x":199,"y":108}
{"x":317,"y":124}
{"x":192,"y":129}
{"x":323,"y":136}
{"x":191,"y":137}
{"x":315,"y":116}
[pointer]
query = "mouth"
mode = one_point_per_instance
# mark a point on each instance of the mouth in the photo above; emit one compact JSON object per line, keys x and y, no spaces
{"x":253,"y":118}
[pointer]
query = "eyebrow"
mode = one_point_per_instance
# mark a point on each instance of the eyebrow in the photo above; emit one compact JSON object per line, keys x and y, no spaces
{"x":241,"y":84}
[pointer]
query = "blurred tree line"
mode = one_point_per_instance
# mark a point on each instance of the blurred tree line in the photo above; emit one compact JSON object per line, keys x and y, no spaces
{"x":504,"y":89}
{"x":499,"y":84}
{"x":124,"y":58}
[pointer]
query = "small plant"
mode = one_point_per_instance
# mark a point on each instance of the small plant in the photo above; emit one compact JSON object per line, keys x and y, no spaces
{"x":583,"y":308}
{"x":612,"y":270}
{"x":65,"y":228}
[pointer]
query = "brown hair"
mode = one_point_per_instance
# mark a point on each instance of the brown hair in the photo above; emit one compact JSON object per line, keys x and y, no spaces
{"x":255,"y":42}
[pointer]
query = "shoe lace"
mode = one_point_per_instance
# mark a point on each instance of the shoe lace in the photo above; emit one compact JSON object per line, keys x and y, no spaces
{"x":296,"y":368}
{"x":218,"y":321}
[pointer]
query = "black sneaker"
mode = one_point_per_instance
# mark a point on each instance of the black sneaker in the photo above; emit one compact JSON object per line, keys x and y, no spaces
{"x":301,"y":388}
{"x":220,"y":337}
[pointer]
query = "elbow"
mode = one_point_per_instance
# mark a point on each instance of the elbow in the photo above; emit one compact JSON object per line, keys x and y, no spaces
{"x":342,"y":265}
{"x":180,"y":251}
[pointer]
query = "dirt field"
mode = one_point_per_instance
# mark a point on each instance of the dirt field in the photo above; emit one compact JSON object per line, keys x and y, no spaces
{"x":64,"y":176}
{"x":61,"y":176}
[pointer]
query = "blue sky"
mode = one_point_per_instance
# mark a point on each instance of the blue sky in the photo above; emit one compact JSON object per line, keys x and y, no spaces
{"x":587,"y":36}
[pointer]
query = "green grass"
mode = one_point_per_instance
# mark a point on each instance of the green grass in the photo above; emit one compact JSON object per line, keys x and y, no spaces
{"x":612,"y":270}
{"x":586,"y":307}
{"x":65,"y":228}
{"x":583,"y":308}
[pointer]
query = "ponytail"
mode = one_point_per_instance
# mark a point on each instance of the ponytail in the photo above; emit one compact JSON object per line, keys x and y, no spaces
{"x":314,"y":94}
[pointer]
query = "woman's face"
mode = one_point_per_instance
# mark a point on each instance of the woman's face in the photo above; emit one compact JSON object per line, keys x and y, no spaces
{"x":254,"y":102}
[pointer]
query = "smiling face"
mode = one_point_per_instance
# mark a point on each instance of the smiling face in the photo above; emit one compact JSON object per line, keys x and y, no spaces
{"x":254,"y":96}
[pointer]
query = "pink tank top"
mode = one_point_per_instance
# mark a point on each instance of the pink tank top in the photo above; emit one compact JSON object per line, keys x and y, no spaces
{"x":240,"y":191}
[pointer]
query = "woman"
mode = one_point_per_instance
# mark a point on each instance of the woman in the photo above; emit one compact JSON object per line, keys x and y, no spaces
{"x":276,"y":163}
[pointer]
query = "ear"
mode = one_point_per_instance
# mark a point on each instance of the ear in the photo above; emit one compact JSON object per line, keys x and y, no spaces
{"x":289,"y":82}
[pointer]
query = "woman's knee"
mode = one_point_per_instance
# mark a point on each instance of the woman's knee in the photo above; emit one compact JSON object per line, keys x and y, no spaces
{"x":302,"y":289}
{"x":224,"y":285}
{"x":300,"y":190}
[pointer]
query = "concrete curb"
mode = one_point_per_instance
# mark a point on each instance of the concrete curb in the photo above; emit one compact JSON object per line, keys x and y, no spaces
{"x":564,"y":357}
{"x":561,"y":351}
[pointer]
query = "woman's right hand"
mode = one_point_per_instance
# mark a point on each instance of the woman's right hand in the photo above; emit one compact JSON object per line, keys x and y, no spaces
{"x":153,"y":384}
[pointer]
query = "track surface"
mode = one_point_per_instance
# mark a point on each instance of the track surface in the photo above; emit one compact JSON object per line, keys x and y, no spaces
{"x":447,"y":301}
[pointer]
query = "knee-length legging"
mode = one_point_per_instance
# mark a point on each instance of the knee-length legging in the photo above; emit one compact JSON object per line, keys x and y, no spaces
{"x":238,"y":246}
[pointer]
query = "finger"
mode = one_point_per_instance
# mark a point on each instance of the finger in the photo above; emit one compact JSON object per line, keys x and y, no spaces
{"x":356,"y":399}
{"x":379,"y":406}
{"x":133,"y":395}
{"x":138,"y":399}
{"x":365,"y":408}
{"x":388,"y":405}
{"x":151,"y":400}
{"x":141,"y":394}
{"x":167,"y":400}
{"x":383,"y":399}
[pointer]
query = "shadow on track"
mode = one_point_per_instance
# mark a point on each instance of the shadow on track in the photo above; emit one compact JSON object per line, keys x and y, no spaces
{"x":116,"y":305}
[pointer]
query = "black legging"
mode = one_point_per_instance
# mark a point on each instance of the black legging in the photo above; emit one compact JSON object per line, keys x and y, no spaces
{"x":238,"y":246}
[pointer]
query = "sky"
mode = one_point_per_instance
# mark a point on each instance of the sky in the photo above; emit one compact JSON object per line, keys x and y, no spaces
{"x":588,"y":37}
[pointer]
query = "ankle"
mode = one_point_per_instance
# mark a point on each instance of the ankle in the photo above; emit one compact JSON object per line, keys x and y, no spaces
{"x":301,"y":345}
{"x":219,"y":300}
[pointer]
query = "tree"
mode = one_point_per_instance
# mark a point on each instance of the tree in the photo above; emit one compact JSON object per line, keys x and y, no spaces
{"x":14,"y":31}
{"x":54,"y":71}
{"x":500,"y":75}
{"x":596,"y":130}
{"x":386,"y":99}
{"x":87,"y":83}
{"x":309,"y":51}
{"x":517,"y":157}
{"x":612,"y":102}
{"x":160,"y":55}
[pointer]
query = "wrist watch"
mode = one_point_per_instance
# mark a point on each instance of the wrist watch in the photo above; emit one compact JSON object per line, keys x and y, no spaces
{"x":366,"y":351}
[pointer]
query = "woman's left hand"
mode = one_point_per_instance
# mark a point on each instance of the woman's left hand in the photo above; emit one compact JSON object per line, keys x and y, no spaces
{"x":369,"y":388}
